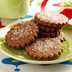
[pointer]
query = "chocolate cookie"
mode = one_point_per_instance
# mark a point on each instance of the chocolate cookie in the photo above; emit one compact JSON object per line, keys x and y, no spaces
{"x":21,"y":35}
{"x":47,"y":29}
{"x":49,"y":34}
{"x":51,"y":19}
{"x":45,"y":49}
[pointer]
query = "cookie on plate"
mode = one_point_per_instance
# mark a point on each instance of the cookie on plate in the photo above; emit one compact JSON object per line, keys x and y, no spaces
{"x":51,"y":19}
{"x":46,"y":29}
{"x":45,"y":49}
{"x":49,"y":34}
{"x":21,"y":35}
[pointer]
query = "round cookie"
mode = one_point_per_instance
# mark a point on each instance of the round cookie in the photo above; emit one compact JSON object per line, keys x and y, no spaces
{"x":51,"y":19}
{"x":45,"y":49}
{"x":21,"y":35}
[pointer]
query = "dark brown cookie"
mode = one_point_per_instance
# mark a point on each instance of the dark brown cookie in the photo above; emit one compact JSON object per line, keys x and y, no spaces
{"x":49,"y":34}
{"x":47,"y":29}
{"x":51,"y":19}
{"x":22,"y":34}
{"x":45,"y":49}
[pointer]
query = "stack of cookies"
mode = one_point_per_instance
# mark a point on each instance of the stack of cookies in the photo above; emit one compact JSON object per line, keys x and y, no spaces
{"x":50,"y":23}
{"x":40,"y":37}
